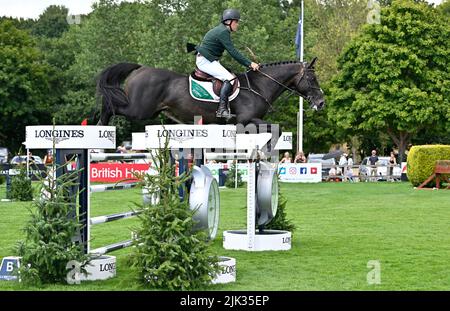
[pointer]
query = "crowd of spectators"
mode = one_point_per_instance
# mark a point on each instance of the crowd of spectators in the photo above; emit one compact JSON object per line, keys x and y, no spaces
{"x":345,"y":169}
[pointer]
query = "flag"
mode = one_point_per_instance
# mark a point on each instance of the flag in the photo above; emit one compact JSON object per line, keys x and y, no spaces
{"x":298,"y":37}
{"x":84,"y":122}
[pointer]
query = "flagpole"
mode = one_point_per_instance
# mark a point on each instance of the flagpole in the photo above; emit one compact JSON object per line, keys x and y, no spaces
{"x":300,"y":104}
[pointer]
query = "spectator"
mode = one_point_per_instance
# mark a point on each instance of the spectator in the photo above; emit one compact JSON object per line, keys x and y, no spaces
{"x":121,"y":149}
{"x":300,"y":157}
{"x":392,"y":163}
{"x":407,"y":149}
{"x":343,"y":164}
{"x":350,"y":168}
{"x":30,"y":158}
{"x":332,"y":174}
{"x":349,"y":174}
{"x":48,"y":159}
{"x":287,"y":158}
{"x":373,"y":159}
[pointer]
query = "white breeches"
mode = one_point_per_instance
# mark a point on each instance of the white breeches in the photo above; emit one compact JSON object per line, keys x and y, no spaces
{"x":214,"y":68}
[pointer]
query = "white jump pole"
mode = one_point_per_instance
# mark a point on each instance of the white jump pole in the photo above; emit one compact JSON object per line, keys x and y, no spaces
{"x":88,"y":187}
{"x":236,"y":175}
{"x":251,"y":204}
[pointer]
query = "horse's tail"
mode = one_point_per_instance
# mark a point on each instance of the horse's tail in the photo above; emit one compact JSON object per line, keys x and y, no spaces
{"x":108,"y":86}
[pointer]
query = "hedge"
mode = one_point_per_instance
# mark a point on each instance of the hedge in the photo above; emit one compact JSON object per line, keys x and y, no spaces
{"x":422,"y":160}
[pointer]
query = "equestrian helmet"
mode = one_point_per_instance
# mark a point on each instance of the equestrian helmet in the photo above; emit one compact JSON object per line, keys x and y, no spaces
{"x":230,"y":14}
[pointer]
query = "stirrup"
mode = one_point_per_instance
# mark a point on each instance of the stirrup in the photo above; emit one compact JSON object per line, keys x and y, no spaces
{"x":223,"y":114}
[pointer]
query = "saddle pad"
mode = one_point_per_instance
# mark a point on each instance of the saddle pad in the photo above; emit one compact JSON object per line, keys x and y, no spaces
{"x":203,"y":91}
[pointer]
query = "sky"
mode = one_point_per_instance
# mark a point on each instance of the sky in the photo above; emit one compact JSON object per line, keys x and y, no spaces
{"x":33,"y":8}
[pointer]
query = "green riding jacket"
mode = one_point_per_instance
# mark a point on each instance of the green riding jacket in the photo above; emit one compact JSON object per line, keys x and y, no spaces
{"x":216,"y":41}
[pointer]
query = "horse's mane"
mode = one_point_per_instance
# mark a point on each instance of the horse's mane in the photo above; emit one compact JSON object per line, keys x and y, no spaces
{"x":286,"y":62}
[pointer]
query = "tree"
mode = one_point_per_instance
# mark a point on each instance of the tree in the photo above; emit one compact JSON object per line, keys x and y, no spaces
{"x":328,"y":26}
{"x":23,"y":85}
{"x":52,"y":23}
{"x":109,"y":35}
{"x":333,"y":25}
{"x":394,"y":77}
{"x":170,"y":252}
{"x":445,"y":7}
{"x":20,"y":23}
{"x":52,"y":233}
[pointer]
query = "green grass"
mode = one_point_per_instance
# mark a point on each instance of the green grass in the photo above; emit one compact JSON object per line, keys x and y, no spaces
{"x":340,"y":227}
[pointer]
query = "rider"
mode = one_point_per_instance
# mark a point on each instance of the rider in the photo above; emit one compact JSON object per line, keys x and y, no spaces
{"x":211,"y":49}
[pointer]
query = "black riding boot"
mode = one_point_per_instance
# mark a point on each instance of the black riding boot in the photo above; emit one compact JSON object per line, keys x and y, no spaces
{"x":223,"y":111}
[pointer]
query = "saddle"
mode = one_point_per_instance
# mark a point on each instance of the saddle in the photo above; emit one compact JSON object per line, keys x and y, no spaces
{"x":217,"y":84}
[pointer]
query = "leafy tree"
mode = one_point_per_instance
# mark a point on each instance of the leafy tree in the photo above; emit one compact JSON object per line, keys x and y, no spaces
{"x":52,"y":23}
{"x":390,"y":80}
{"x":328,"y":26}
{"x":444,"y":7}
{"x":234,"y":178}
{"x":23,"y":85}
{"x":333,"y":25}
{"x":107,"y":36}
{"x":20,"y":23}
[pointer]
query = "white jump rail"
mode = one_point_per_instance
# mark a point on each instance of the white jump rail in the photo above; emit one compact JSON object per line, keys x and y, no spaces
{"x":111,"y":247}
{"x":112,"y":187}
{"x":113,"y":217}
{"x":97,"y":157}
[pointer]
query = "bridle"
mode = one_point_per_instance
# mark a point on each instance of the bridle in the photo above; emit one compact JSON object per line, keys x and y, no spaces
{"x":291,"y":91}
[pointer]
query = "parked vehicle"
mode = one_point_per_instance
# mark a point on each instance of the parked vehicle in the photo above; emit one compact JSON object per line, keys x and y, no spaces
{"x":382,"y":170}
{"x":3,"y":155}
{"x":22,"y":159}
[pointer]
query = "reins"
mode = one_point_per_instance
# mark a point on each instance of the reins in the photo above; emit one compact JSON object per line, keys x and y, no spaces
{"x":291,"y":91}
{"x":249,"y":88}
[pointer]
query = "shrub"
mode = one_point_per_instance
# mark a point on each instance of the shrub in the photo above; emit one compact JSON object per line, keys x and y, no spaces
{"x":229,"y":182}
{"x":21,"y":188}
{"x":50,"y":234}
{"x":421,"y":162}
{"x":169,"y":253}
{"x":280,"y":221}
{"x":2,"y":179}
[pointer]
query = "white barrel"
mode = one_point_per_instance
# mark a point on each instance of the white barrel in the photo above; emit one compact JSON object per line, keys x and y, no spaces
{"x":227,"y":272}
{"x":101,"y":268}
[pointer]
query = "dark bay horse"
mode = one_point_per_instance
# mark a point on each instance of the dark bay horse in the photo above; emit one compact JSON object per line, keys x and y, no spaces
{"x":146,"y":92}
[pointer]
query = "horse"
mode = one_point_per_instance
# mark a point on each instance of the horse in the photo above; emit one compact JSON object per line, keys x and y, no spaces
{"x":147,"y":92}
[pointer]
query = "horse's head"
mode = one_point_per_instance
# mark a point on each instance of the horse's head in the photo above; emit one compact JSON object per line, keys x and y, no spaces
{"x":307,"y":85}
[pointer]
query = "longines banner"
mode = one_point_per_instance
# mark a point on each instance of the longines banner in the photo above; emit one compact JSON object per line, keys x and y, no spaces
{"x":191,"y":136}
{"x":70,"y":137}
{"x":305,"y":172}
